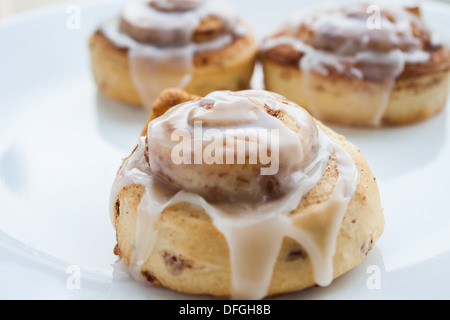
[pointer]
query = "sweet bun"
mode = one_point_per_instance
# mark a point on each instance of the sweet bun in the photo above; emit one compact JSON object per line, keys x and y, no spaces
{"x":227,"y":230}
{"x":198,"y":45}
{"x":359,"y":65}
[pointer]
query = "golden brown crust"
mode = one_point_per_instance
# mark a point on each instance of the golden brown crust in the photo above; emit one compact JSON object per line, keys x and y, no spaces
{"x":439,"y":61}
{"x":379,"y":97}
{"x":188,"y":237}
{"x":229,"y":68}
{"x":166,"y":100}
{"x":192,"y":256}
{"x":345,"y":101}
{"x":200,"y":58}
{"x":209,"y":28}
{"x":331,"y":42}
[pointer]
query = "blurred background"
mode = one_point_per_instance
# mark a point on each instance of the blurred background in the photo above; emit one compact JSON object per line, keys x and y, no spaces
{"x":10,"y":7}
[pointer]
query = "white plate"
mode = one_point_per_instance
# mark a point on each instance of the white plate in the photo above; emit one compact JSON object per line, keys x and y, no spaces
{"x":61,"y":144}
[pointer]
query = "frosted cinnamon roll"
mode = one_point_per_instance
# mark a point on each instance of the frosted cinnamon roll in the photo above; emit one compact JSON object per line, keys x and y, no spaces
{"x":198,"y":45}
{"x":242,"y":195}
{"x":359,"y":65}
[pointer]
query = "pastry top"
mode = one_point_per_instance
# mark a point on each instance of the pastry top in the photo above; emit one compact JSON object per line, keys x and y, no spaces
{"x":167,"y":43}
{"x":360,"y":41}
{"x":207,"y":25}
{"x":254,"y":224}
{"x":260,"y":144}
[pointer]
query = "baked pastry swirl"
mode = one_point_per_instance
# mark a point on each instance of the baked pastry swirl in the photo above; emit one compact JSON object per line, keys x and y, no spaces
{"x":360,"y":65}
{"x":198,"y":45}
{"x":242,"y":195}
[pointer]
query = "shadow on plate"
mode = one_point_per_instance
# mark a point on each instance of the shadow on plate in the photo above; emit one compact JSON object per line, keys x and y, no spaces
{"x":14,"y":170}
{"x":365,"y":281}
{"x":427,"y":279}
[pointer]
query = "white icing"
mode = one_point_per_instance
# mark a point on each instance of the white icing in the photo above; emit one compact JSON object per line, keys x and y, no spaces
{"x":168,"y":62}
{"x":343,"y":42}
{"x":254,"y":231}
{"x":292,"y":152}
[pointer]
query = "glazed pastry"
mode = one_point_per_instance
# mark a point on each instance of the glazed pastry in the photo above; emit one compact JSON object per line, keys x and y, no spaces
{"x":359,"y":65}
{"x":198,"y":45}
{"x":242,"y":195}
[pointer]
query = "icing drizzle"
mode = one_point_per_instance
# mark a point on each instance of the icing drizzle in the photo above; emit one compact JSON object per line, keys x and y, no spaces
{"x":159,"y":37}
{"x":264,"y":221}
{"x":353,"y":41}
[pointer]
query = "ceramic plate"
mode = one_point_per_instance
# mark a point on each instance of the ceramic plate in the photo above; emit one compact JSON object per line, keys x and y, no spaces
{"x":61,"y":143}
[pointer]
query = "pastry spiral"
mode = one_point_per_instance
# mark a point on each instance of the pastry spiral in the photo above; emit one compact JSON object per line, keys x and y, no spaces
{"x":226,"y":228}
{"x":198,"y":45}
{"x":212,"y":168}
{"x":360,"y":65}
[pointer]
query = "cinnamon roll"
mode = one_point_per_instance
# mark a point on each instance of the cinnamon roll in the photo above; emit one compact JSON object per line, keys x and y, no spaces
{"x":242,"y":195}
{"x":198,"y":45}
{"x":359,"y":65}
